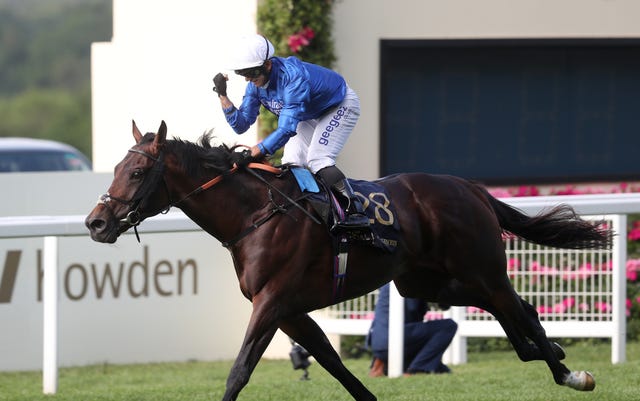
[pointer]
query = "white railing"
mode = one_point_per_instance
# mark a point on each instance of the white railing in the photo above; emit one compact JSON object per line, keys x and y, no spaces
{"x":52,"y":227}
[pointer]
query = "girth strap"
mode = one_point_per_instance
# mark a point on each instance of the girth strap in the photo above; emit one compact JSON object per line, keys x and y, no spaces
{"x":340,"y":267}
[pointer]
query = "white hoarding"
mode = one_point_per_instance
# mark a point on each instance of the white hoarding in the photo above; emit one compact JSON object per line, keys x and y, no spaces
{"x":172,"y":297}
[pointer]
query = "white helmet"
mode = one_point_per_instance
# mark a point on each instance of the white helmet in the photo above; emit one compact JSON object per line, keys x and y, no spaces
{"x":250,"y":51}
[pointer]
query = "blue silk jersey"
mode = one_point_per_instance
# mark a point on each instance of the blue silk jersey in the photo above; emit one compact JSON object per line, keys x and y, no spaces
{"x":296,"y":91}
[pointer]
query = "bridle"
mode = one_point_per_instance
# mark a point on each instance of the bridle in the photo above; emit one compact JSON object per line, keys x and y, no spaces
{"x":151,"y":179}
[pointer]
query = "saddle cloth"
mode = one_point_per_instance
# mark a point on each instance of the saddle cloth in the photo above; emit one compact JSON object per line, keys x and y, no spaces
{"x":377,"y":204}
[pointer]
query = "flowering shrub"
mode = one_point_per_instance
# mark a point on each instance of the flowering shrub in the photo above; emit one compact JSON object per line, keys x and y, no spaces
{"x":633,"y":277}
{"x":300,"y":28}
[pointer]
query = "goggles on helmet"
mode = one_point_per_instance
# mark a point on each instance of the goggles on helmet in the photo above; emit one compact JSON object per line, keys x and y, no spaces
{"x":251,"y":73}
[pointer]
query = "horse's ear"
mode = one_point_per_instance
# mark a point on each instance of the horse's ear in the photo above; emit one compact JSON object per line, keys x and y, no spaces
{"x":161,"y":136}
{"x":136,"y":132}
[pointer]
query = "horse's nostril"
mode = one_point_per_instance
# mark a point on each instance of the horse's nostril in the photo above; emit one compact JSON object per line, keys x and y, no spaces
{"x":96,"y":224}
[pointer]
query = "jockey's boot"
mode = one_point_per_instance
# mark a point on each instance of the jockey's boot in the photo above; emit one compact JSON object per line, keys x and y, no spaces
{"x":354,"y":212}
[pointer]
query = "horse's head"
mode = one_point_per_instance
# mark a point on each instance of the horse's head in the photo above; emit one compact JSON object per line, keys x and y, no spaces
{"x":138,"y":189}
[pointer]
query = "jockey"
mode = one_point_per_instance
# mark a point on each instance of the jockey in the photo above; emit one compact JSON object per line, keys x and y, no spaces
{"x":316,"y":112}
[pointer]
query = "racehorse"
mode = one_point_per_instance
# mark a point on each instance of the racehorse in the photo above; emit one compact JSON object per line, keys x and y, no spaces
{"x":450,"y":247}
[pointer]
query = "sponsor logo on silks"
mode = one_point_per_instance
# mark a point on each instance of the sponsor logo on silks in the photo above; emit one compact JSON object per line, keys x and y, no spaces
{"x":273,"y":105}
{"x":9,"y":273}
{"x":333,"y":124}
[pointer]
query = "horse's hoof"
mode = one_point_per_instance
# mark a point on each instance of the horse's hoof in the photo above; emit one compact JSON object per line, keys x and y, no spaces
{"x":558,"y":350}
{"x":582,"y":381}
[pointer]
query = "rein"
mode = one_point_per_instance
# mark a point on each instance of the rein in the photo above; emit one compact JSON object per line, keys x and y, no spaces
{"x":275,"y":210}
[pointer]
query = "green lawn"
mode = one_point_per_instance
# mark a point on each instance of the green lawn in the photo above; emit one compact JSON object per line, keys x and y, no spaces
{"x":487,"y":376}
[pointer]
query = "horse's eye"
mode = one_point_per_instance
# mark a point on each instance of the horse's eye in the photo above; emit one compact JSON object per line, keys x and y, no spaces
{"x":137,"y":174}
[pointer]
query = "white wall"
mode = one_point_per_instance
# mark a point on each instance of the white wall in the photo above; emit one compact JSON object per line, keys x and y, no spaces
{"x":158,"y":66}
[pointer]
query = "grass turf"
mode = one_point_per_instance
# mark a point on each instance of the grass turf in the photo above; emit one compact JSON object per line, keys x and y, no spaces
{"x":489,"y":376}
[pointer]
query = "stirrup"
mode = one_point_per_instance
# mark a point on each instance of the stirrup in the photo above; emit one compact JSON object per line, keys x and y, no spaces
{"x":355,"y":221}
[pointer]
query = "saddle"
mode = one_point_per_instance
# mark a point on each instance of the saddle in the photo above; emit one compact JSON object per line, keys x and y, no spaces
{"x":377,"y":205}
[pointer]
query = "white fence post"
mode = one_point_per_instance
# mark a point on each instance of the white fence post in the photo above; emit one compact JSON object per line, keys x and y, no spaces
{"x":619,"y":296}
{"x":50,"y":309}
{"x":396,"y":332}
{"x":458,"y":347}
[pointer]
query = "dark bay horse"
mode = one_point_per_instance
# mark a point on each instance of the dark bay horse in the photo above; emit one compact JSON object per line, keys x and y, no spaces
{"x":450,"y":248}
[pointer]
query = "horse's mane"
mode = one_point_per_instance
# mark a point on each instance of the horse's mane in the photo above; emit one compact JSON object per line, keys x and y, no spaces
{"x":194,"y":157}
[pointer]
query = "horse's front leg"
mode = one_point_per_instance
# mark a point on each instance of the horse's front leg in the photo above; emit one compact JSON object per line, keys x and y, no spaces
{"x":260,"y":331}
{"x":305,"y":331}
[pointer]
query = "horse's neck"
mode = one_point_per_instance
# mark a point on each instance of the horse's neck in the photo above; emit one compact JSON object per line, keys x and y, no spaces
{"x":229,"y":206}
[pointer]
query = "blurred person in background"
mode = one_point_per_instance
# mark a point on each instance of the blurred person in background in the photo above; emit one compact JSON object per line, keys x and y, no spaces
{"x":424,"y":341}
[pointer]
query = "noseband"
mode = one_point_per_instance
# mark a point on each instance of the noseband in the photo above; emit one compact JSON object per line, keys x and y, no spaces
{"x":150,"y":181}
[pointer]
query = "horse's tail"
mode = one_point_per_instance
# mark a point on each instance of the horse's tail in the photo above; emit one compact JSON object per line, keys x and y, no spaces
{"x":558,"y":227}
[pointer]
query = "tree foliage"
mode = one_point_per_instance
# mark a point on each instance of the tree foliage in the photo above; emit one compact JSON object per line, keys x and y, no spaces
{"x":280,"y":20}
{"x":45,"y":67}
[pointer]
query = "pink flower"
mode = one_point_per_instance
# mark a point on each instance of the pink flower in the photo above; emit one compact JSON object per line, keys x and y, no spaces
{"x":583,"y":307}
{"x":541,"y":271}
{"x":569,"y":302}
{"x":583,"y":272}
{"x":628,"y":307}
{"x":603,"y":307}
{"x":500,"y":193}
{"x":565,"y":305}
{"x":633,"y":267}
{"x":537,"y":267}
{"x":513,"y":265}
{"x":606,"y":266}
{"x":568,"y":190}
{"x":296,"y":42}
{"x":300,"y":39}
{"x":527,"y":191}
{"x":634,"y":234}
{"x":307,"y":33}
{"x":544,"y":309}
{"x":473,"y":309}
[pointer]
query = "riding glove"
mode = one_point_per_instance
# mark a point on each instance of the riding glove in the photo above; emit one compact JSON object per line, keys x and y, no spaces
{"x":243,"y":158}
{"x":220,"y":84}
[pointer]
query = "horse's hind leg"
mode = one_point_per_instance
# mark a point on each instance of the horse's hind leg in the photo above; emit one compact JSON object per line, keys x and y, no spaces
{"x":304,"y":330}
{"x":535,"y":352}
{"x":457,"y":295}
{"x":525,"y":350}
{"x":510,"y":306}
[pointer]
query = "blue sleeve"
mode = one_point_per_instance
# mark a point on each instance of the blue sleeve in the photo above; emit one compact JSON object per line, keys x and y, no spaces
{"x":296,"y":92}
{"x":240,"y":119}
{"x":278,"y":138}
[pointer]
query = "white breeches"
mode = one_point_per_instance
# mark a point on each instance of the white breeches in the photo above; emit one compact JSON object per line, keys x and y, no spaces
{"x":318,"y":142}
